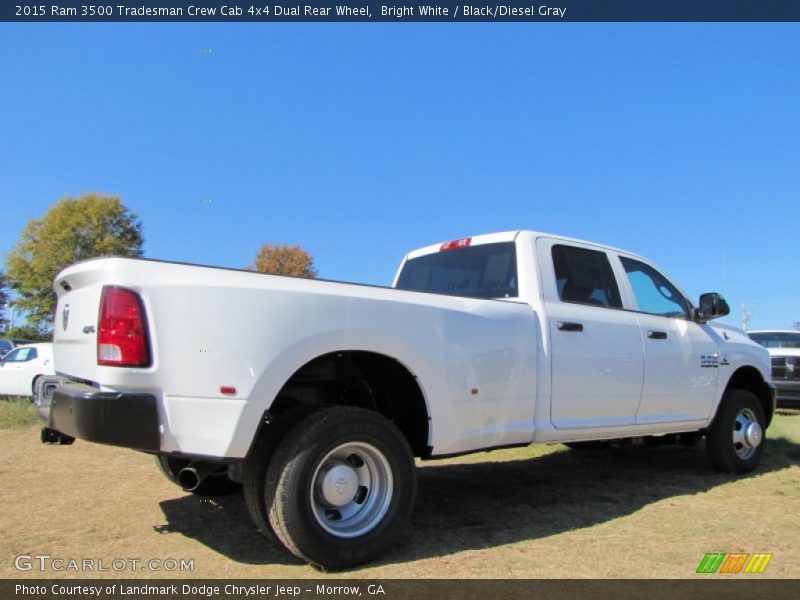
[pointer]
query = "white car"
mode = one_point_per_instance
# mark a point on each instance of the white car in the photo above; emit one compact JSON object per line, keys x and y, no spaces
{"x":20,"y":368}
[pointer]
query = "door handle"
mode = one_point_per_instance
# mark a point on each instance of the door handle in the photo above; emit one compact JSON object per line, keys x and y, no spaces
{"x":657,"y":335}
{"x":568,"y":326}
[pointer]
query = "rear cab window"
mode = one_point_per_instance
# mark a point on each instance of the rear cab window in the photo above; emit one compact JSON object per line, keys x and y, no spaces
{"x":585,"y":276}
{"x":481,"y":271}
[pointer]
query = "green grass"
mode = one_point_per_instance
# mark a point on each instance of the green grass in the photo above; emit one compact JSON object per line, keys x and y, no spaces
{"x":542,"y":511}
{"x":784,"y":434}
{"x":786,"y":424}
{"x":16,"y":412}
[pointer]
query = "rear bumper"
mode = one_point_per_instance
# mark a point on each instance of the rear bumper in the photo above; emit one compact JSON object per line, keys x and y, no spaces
{"x":118,"y":419}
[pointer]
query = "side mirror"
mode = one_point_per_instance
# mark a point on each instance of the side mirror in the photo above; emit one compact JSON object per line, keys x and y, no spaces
{"x":712,"y":305}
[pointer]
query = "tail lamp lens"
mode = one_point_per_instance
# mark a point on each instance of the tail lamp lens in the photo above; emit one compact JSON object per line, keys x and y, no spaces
{"x":122,"y":340}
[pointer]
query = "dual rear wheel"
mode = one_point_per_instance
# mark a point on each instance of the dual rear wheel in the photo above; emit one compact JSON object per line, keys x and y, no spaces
{"x":334,"y":486}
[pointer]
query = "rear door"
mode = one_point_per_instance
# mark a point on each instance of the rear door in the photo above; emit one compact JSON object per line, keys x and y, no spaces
{"x":597,"y":359}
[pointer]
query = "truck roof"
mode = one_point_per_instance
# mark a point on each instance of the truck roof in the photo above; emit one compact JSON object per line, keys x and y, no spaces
{"x":508,"y":236}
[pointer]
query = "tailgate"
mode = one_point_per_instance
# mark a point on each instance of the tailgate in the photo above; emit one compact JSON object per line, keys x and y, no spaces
{"x":79,"y":289}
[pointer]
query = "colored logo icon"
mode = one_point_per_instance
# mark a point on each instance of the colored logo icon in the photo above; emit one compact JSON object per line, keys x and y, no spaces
{"x":737,"y":562}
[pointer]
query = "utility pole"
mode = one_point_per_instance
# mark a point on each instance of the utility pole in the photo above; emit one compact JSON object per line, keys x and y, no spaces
{"x":746,"y":316}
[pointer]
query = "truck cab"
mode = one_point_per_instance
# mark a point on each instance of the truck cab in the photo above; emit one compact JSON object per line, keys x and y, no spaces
{"x":623,"y":351}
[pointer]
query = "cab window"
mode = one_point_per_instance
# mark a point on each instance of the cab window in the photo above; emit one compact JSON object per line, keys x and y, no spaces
{"x":585,"y":277}
{"x":654,"y":293}
{"x":482,"y":271}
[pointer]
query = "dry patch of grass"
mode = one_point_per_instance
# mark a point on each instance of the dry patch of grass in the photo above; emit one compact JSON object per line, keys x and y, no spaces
{"x":542,"y":511}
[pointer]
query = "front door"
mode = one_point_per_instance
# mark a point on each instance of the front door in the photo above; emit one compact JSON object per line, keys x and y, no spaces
{"x":681,"y":356}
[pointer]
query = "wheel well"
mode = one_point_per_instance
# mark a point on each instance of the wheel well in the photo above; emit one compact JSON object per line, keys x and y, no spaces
{"x":365,"y":379}
{"x":748,"y":378}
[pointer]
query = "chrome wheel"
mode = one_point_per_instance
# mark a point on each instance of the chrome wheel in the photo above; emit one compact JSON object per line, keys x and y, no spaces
{"x":351,"y":489}
{"x":338,"y":487}
{"x":737,"y":437}
{"x":747,"y":433}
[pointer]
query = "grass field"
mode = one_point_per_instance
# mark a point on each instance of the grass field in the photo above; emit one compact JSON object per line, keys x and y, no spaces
{"x":543,"y":511}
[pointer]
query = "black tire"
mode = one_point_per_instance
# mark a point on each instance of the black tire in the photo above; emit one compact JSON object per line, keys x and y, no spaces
{"x":339,"y":486}
{"x":733,"y":445}
{"x":215,"y":484}
{"x":254,"y":470}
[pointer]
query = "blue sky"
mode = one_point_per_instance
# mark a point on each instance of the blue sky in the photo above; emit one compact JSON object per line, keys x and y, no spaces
{"x":361,"y":141}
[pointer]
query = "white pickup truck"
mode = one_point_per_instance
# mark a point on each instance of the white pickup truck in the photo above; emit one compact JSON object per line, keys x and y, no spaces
{"x":317,"y":395}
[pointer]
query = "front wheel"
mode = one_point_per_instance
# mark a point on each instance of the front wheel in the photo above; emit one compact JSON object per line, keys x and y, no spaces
{"x":343,"y":483}
{"x":736,"y":439}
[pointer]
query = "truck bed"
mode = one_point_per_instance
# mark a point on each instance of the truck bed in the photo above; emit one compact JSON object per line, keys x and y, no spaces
{"x":211,"y":328}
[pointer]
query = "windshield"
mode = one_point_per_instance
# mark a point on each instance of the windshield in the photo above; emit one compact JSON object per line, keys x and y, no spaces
{"x":484,"y":271}
{"x":777,"y":339}
{"x":23,"y":354}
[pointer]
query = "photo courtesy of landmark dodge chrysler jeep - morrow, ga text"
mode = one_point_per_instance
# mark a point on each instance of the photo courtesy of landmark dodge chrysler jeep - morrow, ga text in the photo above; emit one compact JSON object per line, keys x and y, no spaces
{"x":316,"y":396}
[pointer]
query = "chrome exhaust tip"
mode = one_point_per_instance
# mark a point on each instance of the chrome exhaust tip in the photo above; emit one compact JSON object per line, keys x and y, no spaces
{"x":193,"y":474}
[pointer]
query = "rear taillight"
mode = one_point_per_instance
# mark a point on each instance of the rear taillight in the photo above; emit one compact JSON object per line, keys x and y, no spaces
{"x":122,"y":339}
{"x":462,"y":243}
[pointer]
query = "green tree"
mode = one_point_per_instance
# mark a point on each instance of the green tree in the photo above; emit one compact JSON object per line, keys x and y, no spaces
{"x":280,"y":259}
{"x":3,"y":302}
{"x":28,"y":332}
{"x":74,"y":229}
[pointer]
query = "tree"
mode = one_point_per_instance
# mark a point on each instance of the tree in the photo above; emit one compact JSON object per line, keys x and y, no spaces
{"x":29,"y":333}
{"x":74,"y":229}
{"x":281,"y":259}
{"x":3,"y":302}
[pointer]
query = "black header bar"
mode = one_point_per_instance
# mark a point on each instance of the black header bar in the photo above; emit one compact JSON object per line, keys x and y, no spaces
{"x":396,"y":589}
{"x":268,"y":11}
